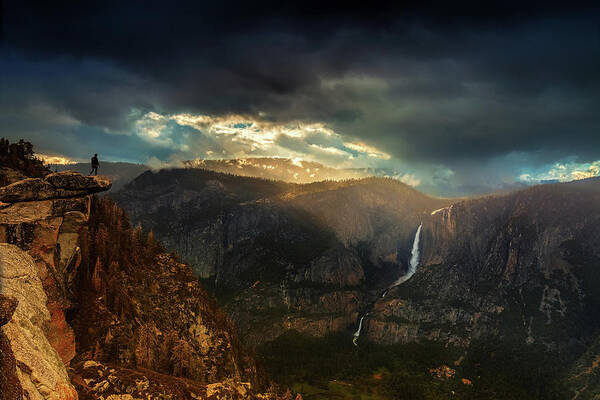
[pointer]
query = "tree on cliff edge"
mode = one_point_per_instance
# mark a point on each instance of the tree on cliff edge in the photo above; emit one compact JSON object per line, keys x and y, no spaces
{"x":17,"y":160}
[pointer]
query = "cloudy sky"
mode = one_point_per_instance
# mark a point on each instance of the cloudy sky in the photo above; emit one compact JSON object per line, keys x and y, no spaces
{"x":456,"y":98}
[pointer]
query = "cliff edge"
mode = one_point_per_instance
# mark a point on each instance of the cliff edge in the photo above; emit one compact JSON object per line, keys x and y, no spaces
{"x":40,"y":220}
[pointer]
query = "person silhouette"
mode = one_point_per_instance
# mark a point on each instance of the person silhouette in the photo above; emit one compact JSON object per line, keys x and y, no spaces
{"x":95,"y":165}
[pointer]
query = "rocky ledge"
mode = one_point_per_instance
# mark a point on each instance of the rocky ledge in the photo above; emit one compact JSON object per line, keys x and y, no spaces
{"x":57,"y":185}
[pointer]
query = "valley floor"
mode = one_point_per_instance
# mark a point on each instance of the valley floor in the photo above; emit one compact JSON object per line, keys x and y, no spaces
{"x":332,"y":368}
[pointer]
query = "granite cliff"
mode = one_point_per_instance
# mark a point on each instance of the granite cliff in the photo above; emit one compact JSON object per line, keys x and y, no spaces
{"x":516,"y":275}
{"x":522,"y":265}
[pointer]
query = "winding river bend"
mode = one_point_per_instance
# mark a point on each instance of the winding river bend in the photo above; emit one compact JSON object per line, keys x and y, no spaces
{"x":412,"y":268}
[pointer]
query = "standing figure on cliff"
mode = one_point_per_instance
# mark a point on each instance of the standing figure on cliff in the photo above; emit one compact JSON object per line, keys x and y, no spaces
{"x":95,"y":165}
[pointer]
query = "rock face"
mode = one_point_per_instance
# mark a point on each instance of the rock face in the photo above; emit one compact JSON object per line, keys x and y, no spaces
{"x":522,"y":267}
{"x":10,"y":386}
{"x":41,"y":372}
{"x":376,"y":215}
{"x":306,"y":257}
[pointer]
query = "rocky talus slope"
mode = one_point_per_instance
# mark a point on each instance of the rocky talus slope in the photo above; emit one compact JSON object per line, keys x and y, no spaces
{"x":92,"y":309}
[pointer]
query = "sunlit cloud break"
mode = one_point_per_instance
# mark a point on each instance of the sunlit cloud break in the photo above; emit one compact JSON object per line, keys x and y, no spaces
{"x":186,"y":136}
{"x":235,"y":136}
{"x":55,"y":159}
{"x":563,"y":172}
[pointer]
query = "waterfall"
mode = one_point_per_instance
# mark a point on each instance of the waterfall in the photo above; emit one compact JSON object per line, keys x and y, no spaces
{"x":414,"y":260}
{"x":357,"y":333}
{"x":414,"y":255}
{"x":412,"y":268}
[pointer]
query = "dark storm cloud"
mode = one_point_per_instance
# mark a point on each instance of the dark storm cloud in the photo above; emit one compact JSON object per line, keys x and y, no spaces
{"x":444,"y":83}
{"x":89,"y":91}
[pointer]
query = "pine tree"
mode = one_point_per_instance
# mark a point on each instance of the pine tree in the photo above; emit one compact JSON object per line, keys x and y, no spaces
{"x":97,"y":351}
{"x":97,"y":277}
{"x":113,"y":269}
{"x":166,"y":351}
{"x":101,"y":242}
{"x":181,"y":358}
{"x":145,"y":350}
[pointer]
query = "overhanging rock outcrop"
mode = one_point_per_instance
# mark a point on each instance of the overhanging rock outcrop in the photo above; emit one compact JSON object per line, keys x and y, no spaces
{"x":42,"y":218}
{"x":53,"y":186}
